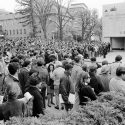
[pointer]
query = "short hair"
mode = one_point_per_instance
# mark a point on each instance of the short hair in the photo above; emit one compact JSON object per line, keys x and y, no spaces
{"x":33,"y":81}
{"x":26,"y":63}
{"x":120,"y":70}
{"x":40,"y":63}
{"x":105,"y":62}
{"x":93,"y":59}
{"x":14,"y":60}
{"x":13,"y":67}
{"x":68,"y":66}
{"x":118,"y":58}
{"x":77,"y":59}
{"x":92,"y":68}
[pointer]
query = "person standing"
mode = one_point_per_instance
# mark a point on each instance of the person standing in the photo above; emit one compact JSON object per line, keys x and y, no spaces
{"x":43,"y":75}
{"x":66,"y":86}
{"x":50,"y":86}
{"x":57,"y":74}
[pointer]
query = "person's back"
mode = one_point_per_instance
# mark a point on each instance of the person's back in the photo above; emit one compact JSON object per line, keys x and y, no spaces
{"x":116,"y":83}
{"x":11,"y":108}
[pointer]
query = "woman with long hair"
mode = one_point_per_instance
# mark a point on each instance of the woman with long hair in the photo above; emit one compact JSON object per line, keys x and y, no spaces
{"x":85,"y":92}
{"x":50,"y":86}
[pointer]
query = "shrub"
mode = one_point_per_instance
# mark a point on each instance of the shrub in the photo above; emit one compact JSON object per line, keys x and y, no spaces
{"x":108,"y":109}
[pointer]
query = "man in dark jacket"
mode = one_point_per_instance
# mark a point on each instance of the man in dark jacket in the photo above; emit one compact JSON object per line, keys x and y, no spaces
{"x":35,"y":92}
{"x":24,"y":75}
{"x":66,"y":86}
{"x":95,"y":81}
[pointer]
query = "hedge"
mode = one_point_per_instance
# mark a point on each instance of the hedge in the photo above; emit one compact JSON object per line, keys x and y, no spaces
{"x":108,"y":109}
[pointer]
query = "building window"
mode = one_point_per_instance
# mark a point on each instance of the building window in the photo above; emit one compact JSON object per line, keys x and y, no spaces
{"x":13,"y":32}
{"x":20,"y":31}
{"x":17,"y":31}
{"x":10,"y":32}
{"x":24,"y":31}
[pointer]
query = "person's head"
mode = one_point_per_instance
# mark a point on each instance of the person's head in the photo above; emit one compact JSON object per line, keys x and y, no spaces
{"x":68,"y":68}
{"x":118,"y":58}
{"x":120,"y":72}
{"x":93,"y":59}
{"x":83,"y":78}
{"x":40,"y":63}
{"x":77,"y":59}
{"x":27,"y":64}
{"x":13,"y":68}
{"x":34,"y":81}
{"x":50,"y":67}
{"x":85,"y":68}
{"x":105,"y":62}
{"x":92,"y":69}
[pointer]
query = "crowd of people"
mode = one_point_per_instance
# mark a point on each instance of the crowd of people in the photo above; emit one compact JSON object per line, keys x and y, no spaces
{"x":35,"y":75}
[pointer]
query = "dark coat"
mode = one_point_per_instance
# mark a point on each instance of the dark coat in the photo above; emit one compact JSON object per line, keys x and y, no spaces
{"x":12,"y":82}
{"x":11,"y":108}
{"x":23,"y":79}
{"x":96,"y":83}
{"x":86,"y":91}
{"x":37,"y":101}
{"x":66,"y":87}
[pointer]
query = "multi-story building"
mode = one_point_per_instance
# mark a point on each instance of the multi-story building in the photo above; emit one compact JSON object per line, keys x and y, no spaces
{"x":13,"y":28}
{"x":113,"y":22}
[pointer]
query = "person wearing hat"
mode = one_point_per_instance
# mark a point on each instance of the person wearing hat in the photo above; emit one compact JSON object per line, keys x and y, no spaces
{"x":115,"y":65}
{"x":117,"y":83}
{"x":105,"y":77}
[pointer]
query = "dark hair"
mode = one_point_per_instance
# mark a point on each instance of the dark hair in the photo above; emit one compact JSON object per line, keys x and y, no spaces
{"x":93,"y":59}
{"x":120,"y":70}
{"x":13,"y":67}
{"x":49,"y":67}
{"x":68,"y":66}
{"x":77,"y":59}
{"x":92,"y":68}
{"x":118,"y":58}
{"x":14,"y":60}
{"x":85,"y":68}
{"x":82,"y":76}
{"x":26,"y":63}
{"x":33,"y":81}
{"x":105,"y":62}
{"x":40,"y":63}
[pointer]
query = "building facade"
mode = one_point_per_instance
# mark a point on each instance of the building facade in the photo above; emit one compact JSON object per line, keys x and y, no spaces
{"x":113,"y":23}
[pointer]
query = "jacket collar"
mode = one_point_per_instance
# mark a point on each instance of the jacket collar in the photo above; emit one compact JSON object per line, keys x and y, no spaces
{"x":14,"y":78}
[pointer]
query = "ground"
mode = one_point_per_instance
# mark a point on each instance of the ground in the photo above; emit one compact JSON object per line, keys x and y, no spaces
{"x":110,"y":57}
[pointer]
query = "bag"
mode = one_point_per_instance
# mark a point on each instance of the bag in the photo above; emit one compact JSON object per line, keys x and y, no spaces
{"x":72,"y":98}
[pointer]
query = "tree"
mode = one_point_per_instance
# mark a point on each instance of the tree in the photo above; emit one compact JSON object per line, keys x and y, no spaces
{"x":98,"y":30}
{"x":86,"y":20}
{"x":62,"y":15}
{"x":43,"y":10}
{"x":27,"y":14}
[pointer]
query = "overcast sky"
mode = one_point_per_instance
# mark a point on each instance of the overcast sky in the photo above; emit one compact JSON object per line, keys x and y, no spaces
{"x":10,"y":5}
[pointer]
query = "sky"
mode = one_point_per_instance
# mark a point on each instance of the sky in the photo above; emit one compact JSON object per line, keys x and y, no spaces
{"x":10,"y":5}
